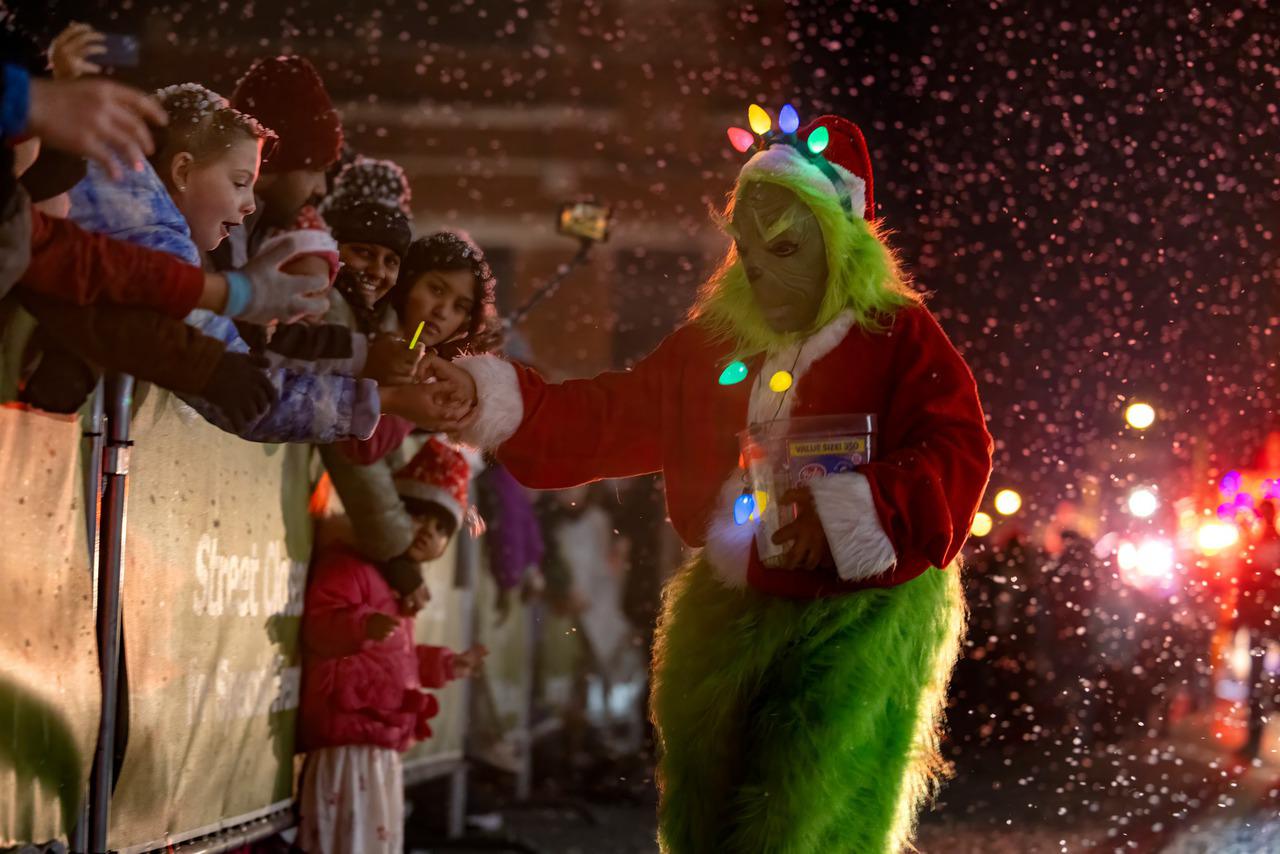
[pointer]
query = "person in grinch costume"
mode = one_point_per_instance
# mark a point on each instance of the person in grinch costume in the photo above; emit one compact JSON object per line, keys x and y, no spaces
{"x":798,"y":703}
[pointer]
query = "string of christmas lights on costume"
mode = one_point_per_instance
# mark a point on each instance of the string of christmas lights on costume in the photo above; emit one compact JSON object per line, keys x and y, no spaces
{"x":750,"y":505}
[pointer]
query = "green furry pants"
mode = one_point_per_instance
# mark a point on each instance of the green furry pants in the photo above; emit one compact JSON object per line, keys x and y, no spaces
{"x":800,"y":726}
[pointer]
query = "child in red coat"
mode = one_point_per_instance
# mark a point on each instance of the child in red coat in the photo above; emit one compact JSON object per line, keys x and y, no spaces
{"x":363,"y":702}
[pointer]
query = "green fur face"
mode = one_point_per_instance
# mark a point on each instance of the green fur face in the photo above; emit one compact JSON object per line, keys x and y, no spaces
{"x":863,"y":277}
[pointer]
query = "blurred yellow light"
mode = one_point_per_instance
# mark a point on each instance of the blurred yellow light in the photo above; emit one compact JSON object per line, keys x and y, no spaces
{"x":1140,"y":416}
{"x":982,"y":524}
{"x":760,"y":121}
{"x":1143,"y":502}
{"x":1008,"y":502}
{"x":1216,"y":536}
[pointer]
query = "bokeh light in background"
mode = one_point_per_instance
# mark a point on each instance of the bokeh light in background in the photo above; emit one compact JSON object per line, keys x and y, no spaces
{"x":1213,"y":537}
{"x":1008,"y":502}
{"x":1143,"y":502}
{"x":1140,"y":416}
{"x":982,"y":524}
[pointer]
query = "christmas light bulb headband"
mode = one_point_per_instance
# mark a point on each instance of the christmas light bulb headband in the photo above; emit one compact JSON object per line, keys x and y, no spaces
{"x":762,"y":136}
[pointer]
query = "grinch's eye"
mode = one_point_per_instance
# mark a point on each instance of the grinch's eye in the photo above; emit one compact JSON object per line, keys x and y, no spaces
{"x":784,"y":248}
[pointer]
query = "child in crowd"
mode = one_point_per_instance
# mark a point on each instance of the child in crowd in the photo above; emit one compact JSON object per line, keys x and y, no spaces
{"x":372,"y":242}
{"x":187,"y":198}
{"x":362,"y":698}
{"x":368,"y":214}
{"x":446,"y":286}
{"x":286,"y":94}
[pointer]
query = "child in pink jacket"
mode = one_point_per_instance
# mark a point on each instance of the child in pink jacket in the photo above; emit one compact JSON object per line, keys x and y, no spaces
{"x":363,"y":697}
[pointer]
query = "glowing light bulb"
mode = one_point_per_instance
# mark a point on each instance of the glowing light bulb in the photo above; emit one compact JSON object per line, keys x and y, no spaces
{"x":1008,"y":502}
{"x":741,"y":139}
{"x":759,"y":119}
{"x":762,"y":503}
{"x":735,"y":373}
{"x":743,"y":508}
{"x":788,"y":119}
{"x":1143,"y":502}
{"x":982,"y":524}
{"x":780,"y":382}
{"x":1140,"y":416}
{"x":819,"y":140}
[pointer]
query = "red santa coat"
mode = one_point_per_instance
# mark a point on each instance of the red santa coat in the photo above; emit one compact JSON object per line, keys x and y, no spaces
{"x":907,"y":510}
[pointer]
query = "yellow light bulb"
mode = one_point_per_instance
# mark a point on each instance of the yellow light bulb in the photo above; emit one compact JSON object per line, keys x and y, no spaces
{"x":780,"y":382}
{"x":759,"y":119}
{"x":982,"y":525}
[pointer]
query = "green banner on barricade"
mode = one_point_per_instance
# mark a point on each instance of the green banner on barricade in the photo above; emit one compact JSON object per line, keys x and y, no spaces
{"x":216,"y":559}
{"x":49,"y":685}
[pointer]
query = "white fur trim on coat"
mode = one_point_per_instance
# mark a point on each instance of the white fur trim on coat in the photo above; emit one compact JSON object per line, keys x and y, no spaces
{"x":784,"y":161}
{"x":728,"y":548}
{"x":848,"y":513}
{"x":500,"y":404}
{"x":769,"y":405}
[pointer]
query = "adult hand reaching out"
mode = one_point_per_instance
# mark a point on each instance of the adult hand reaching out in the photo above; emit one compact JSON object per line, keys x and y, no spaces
{"x":444,"y":400}
{"x":391,"y":362}
{"x":104,"y":121}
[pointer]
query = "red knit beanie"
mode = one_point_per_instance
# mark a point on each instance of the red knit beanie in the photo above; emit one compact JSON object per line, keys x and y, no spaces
{"x":285,"y":93}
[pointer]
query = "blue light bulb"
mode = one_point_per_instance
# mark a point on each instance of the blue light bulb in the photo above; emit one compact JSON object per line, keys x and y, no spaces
{"x":788,"y":119}
{"x":743,"y":508}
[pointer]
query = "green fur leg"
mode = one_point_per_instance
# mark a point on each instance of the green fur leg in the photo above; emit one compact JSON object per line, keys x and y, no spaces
{"x":800,"y":726}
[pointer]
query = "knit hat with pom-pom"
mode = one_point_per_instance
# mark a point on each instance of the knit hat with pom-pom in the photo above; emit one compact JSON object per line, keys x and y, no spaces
{"x":368,"y":179}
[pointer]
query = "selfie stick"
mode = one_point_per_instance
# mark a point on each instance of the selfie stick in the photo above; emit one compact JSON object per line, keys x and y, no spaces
{"x":550,"y":286}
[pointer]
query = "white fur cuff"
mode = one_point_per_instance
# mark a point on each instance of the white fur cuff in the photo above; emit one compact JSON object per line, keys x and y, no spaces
{"x":728,"y":548}
{"x":500,"y":404}
{"x":848,"y":513}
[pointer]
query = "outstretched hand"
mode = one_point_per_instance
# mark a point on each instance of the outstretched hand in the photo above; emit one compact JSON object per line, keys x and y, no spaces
{"x":469,"y":663}
{"x":99,"y":119}
{"x":809,"y":546}
{"x":391,"y":362}
{"x":71,"y":50}
{"x":443,"y":400}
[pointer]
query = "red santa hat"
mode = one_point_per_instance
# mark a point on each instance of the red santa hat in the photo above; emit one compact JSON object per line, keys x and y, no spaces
{"x":438,"y":473}
{"x":828,"y":154}
{"x":286,"y":94}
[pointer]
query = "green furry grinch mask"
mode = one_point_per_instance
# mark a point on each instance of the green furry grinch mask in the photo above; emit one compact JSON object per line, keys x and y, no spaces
{"x":803,"y":253}
{"x":782,"y":253}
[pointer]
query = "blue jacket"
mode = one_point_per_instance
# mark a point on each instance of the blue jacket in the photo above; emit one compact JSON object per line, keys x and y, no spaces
{"x":311,"y":407}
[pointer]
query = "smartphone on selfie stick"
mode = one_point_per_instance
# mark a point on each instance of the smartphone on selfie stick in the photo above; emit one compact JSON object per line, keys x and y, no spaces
{"x":589,"y":223}
{"x":119,"y":50}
